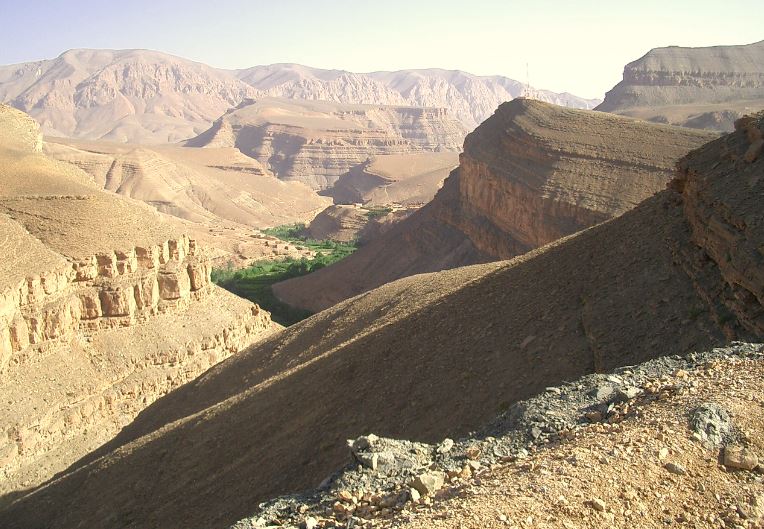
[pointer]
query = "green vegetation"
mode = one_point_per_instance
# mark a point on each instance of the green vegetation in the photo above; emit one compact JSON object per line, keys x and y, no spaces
{"x":372,"y":212}
{"x":254,"y":282}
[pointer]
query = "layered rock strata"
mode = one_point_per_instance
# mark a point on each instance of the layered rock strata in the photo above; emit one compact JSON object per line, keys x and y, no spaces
{"x":434,"y":356}
{"x":104,"y":307}
{"x":315,"y":141}
{"x":529,"y":175}
{"x":694,"y":87}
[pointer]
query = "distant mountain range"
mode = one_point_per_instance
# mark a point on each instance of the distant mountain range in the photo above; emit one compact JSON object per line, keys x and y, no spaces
{"x":144,"y":96}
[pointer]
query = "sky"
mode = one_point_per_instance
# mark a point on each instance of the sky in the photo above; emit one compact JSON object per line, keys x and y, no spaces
{"x":579,"y":47}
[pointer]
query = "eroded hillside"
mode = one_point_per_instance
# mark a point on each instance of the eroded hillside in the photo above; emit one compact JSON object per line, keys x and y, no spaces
{"x":104,"y":307}
{"x":316,"y":141}
{"x":529,"y":175}
{"x":436,"y":355}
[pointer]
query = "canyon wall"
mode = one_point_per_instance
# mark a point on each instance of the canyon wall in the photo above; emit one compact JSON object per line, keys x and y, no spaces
{"x":104,"y":307}
{"x":695,"y":87}
{"x":529,"y":175}
{"x":438,"y":355}
{"x":315,"y":142}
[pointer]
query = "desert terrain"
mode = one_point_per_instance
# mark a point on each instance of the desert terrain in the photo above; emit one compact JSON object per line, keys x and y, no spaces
{"x":286,"y":296}
{"x":436,"y":355}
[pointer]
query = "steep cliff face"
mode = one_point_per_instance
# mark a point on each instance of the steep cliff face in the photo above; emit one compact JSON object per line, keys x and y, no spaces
{"x":529,"y":175}
{"x":104,"y":307}
{"x":695,"y":87}
{"x":315,"y":142}
{"x":726,"y":225}
{"x":435,"y":355}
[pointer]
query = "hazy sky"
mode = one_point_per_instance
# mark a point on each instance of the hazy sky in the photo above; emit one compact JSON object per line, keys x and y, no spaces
{"x":576,"y":46}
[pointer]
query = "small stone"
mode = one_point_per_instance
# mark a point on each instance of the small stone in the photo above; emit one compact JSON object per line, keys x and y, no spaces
{"x":445,"y":446}
{"x":429,"y":483}
{"x":675,"y":468}
{"x":681,"y":373}
{"x":473,"y":452}
{"x":739,"y":457}
{"x":593,"y":416}
{"x":663,"y":453}
{"x":414,"y":494}
{"x":629,"y":393}
{"x":597,"y":504}
{"x":311,"y":523}
{"x":344,"y":495}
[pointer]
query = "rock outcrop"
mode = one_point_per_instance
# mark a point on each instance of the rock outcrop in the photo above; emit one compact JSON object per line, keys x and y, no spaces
{"x":315,"y":141}
{"x":529,"y":175}
{"x":411,"y":179}
{"x":431,"y":356}
{"x":93,"y":296}
{"x":347,"y":223}
{"x":693,"y":87}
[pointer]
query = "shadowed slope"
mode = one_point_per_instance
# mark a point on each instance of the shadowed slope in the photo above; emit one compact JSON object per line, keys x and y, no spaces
{"x":432,"y":356}
{"x":529,"y":175}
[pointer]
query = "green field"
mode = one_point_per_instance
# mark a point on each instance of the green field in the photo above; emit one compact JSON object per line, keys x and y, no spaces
{"x":254,"y":282}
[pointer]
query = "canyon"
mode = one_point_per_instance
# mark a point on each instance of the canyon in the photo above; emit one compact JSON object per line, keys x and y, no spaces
{"x":693,"y":87}
{"x":105,"y":306}
{"x":529,"y":175}
{"x":437,"y":355}
{"x":315,"y":142}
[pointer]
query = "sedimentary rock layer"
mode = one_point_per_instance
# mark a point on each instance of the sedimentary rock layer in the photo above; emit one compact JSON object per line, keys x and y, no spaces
{"x":144,"y":96}
{"x":694,"y":87}
{"x":529,"y":175}
{"x":90,"y":287}
{"x":315,"y":142}
{"x":430,"y":356}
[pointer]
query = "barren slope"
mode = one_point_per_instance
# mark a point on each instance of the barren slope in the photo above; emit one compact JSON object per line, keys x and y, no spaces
{"x":695,"y":87}
{"x":403,"y":179}
{"x":316,"y":141}
{"x":121,"y":95}
{"x":104,"y":307}
{"x":436,"y":355}
{"x":470,"y":98}
{"x":530,"y":174}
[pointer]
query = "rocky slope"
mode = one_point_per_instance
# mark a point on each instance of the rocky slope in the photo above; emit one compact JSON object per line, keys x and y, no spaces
{"x":651,"y":445}
{"x":695,"y":87}
{"x":121,"y":95}
{"x":104,"y":307}
{"x":435,"y":356}
{"x":316,"y":141}
{"x":529,"y":175}
{"x":348,"y":223}
{"x":411,"y":179}
{"x":216,"y":191}
{"x":143,"y":96}
{"x":470,"y":98}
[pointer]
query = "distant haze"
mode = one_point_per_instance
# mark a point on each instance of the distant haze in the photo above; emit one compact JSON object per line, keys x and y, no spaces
{"x":580,"y":47}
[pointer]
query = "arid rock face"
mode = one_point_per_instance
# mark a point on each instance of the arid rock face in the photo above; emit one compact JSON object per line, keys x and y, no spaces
{"x":348,"y":223}
{"x":92,"y":292}
{"x":315,"y":142}
{"x":694,"y":87}
{"x":144,"y":96}
{"x":436,"y":355}
{"x":529,"y":175}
